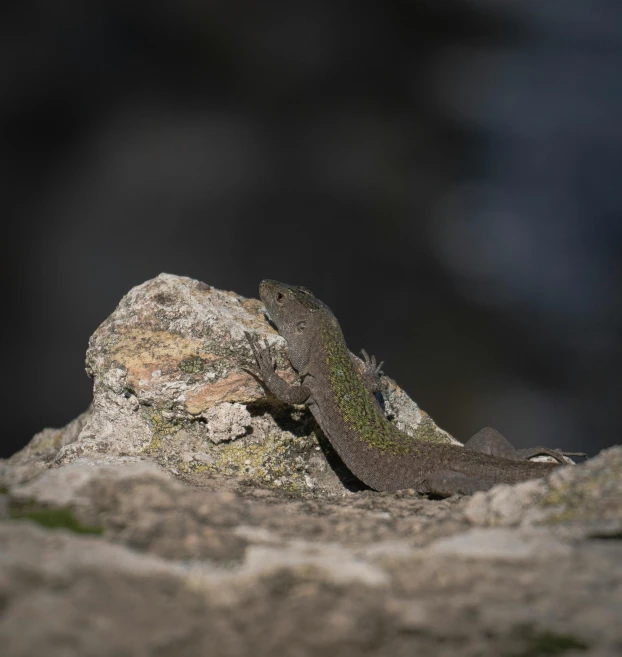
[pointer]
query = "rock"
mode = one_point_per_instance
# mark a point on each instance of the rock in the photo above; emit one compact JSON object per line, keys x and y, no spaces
{"x":187,"y":513}
{"x":585,"y":500}
{"x":185,"y":571}
{"x":44,"y":446}
{"x":502,"y":543}
{"x":170,"y":384}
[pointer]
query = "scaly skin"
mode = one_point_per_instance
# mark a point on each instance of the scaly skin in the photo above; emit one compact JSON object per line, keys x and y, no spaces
{"x":374,"y":450}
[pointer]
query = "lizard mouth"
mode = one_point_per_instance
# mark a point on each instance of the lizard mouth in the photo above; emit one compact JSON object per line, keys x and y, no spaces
{"x":268,"y":319}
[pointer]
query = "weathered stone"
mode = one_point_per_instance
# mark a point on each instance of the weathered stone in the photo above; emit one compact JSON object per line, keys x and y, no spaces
{"x":186,"y":513}
{"x":479,"y":593}
{"x":255,"y":571}
{"x":169,"y":382}
{"x":501,"y":543}
{"x":44,"y":446}
{"x":586,"y":499}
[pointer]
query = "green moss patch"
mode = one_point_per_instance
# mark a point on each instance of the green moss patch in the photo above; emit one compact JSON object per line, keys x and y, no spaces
{"x":270,"y":461}
{"x":53,"y":519}
{"x":193,"y":365}
{"x":548,"y":644}
{"x":161,"y":427}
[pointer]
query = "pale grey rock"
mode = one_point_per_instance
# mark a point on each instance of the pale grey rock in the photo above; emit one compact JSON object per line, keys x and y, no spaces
{"x":573,"y":500}
{"x":41,"y":452}
{"x":66,"y":594}
{"x":504,"y":505}
{"x":44,"y":446}
{"x":181,"y":570}
{"x":218,"y":525}
{"x":64,"y":487}
{"x":331,"y":562}
{"x":502,"y":543}
{"x":170,"y":383}
{"x":407,"y":415}
{"x":227,"y":421}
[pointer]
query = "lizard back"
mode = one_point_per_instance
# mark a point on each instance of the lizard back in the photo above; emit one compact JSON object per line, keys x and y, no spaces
{"x":374,"y":450}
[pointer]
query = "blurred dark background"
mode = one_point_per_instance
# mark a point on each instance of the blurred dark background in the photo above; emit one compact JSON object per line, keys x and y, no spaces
{"x":447,"y":176}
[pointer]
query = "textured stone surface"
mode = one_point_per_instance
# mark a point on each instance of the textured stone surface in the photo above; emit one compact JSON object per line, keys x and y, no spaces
{"x":183,"y":570}
{"x":169,"y":382}
{"x":144,"y":528}
{"x":586,"y":499}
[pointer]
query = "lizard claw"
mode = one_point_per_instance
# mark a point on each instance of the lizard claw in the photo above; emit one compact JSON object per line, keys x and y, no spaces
{"x":370,"y":364}
{"x":252,"y":368}
{"x":263,"y":354}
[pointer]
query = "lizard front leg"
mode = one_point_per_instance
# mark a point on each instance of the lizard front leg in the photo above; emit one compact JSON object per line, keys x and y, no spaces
{"x":371,"y":372}
{"x":370,"y":376}
{"x":275,"y":384}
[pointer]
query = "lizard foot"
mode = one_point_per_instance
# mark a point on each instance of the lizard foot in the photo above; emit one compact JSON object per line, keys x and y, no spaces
{"x":266,"y":362}
{"x":370,"y":364}
{"x":371,"y":373}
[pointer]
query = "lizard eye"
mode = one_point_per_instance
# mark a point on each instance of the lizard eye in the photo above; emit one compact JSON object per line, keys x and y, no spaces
{"x":301,"y":326}
{"x":305,"y":290}
{"x":280,"y":297}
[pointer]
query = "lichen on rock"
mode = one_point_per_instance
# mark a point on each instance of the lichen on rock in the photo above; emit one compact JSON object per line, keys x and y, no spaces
{"x":170,"y":383}
{"x":187,"y":512}
{"x":583,"y":500}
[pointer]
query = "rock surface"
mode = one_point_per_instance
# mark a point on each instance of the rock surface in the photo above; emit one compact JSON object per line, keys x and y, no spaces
{"x":186,"y":513}
{"x":169,"y":381}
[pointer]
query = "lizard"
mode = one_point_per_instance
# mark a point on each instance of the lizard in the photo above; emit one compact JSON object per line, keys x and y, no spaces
{"x":341,"y":398}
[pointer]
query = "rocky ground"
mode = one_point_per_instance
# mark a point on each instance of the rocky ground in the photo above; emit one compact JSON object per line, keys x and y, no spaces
{"x":187,"y":513}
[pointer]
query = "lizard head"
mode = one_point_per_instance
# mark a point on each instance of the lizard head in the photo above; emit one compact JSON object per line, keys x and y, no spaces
{"x":288,"y":305}
{"x":298,"y":315}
